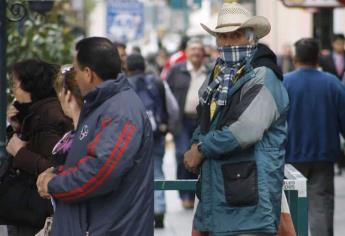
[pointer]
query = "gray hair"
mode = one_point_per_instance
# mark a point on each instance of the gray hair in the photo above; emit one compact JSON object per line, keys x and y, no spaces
{"x":194,"y":41}
{"x":250,"y":35}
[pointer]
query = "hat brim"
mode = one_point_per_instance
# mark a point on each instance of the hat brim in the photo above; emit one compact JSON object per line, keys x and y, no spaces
{"x":259,"y":24}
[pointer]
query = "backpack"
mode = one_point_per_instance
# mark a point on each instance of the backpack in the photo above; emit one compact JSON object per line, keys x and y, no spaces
{"x":152,"y":94}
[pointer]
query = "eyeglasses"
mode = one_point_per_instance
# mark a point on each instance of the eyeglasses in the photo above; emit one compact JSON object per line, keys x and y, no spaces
{"x":66,"y":73}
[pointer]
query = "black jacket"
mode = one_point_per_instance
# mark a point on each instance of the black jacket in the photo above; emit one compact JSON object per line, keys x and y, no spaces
{"x":42,"y":125}
{"x":327,"y":64}
{"x":179,"y":80}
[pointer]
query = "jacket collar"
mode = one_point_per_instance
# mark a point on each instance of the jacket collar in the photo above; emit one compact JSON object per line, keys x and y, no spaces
{"x":103,"y":92}
{"x":36,"y":105}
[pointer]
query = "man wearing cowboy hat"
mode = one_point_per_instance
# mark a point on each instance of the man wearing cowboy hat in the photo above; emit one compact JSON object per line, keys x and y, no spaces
{"x":239,"y":145}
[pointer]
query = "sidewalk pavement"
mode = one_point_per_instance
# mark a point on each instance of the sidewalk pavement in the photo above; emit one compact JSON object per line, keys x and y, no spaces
{"x":178,"y":222}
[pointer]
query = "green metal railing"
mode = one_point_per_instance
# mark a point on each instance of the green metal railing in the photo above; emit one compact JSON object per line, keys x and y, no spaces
{"x":295,"y":187}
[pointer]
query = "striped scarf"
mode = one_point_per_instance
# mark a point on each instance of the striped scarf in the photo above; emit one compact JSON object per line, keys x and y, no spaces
{"x":230,"y":60}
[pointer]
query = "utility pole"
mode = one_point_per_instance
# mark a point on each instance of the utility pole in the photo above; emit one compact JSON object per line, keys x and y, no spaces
{"x":3,"y":80}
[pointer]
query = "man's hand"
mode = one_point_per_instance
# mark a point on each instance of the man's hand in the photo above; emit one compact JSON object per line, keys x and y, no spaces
{"x":43,"y":181}
{"x":14,"y":145}
{"x":193,"y":158}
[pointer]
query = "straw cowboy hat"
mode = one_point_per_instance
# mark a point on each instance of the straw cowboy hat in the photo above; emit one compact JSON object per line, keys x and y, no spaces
{"x":233,"y":16}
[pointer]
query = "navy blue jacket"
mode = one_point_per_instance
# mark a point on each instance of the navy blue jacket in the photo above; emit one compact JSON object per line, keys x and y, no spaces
{"x":316,"y":116}
{"x":106,"y":184}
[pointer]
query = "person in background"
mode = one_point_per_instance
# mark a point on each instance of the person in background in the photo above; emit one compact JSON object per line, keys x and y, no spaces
{"x":185,"y":79}
{"x":121,"y":48}
{"x":152,"y":66}
{"x":155,"y":96}
{"x":37,"y":122}
{"x":211,"y":55}
{"x":285,"y":61}
{"x":334,"y":62}
{"x":315,"y":120}
{"x":162,"y":59}
{"x":239,"y":145}
{"x":136,"y":50}
{"x":177,"y":57}
{"x":151,"y":91}
{"x":71,"y":102}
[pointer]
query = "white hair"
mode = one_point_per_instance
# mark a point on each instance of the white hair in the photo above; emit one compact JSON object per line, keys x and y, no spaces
{"x":250,"y":35}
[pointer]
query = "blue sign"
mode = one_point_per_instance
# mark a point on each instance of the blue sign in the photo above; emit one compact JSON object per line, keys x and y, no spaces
{"x":125,"y":20}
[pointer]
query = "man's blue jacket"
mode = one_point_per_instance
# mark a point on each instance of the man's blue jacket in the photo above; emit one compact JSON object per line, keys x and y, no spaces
{"x":106,"y":184}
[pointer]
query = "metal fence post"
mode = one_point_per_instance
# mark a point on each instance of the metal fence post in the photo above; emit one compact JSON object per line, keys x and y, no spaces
{"x":295,"y":187}
{"x":3,"y":82}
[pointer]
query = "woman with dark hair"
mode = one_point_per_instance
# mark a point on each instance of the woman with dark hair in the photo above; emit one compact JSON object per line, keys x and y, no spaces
{"x":37,"y":122}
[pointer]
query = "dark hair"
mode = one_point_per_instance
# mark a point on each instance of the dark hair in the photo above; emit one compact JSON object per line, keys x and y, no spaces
{"x":183,"y":43}
{"x":135,"y":63}
{"x":36,"y":77}
{"x":336,"y":37}
{"x":66,"y":80}
{"x":120,"y":45}
{"x":136,"y":49}
{"x":307,"y":51}
{"x":100,"y":55}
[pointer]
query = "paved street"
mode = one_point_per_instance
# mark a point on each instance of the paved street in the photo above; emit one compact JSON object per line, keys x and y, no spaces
{"x":178,"y":221}
{"x":339,"y":219}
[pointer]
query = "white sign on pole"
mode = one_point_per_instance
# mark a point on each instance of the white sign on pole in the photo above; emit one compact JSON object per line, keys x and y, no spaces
{"x":125,"y":20}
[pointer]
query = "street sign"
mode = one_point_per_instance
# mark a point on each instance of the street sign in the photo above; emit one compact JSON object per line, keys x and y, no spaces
{"x":125,"y":20}
{"x":313,"y":3}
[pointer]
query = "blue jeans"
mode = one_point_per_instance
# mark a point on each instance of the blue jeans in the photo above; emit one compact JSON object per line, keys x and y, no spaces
{"x":182,"y":144}
{"x":158,"y":154}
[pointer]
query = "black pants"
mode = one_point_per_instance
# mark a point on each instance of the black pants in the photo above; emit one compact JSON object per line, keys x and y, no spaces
{"x":22,"y":230}
{"x":320,"y":190}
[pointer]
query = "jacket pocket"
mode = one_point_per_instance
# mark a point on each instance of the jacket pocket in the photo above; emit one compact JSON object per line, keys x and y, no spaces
{"x":240,"y":184}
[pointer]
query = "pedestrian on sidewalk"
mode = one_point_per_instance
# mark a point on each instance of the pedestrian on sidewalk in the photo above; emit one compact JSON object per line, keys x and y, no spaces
{"x":334,"y":62}
{"x":153,"y":94}
{"x":71,"y":101}
{"x":239,"y":145}
{"x":37,"y":122}
{"x":315,"y":120}
{"x":106,"y":184}
{"x":185,"y":79}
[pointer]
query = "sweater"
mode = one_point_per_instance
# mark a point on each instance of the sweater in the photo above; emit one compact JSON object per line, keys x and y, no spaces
{"x":316,"y":116}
